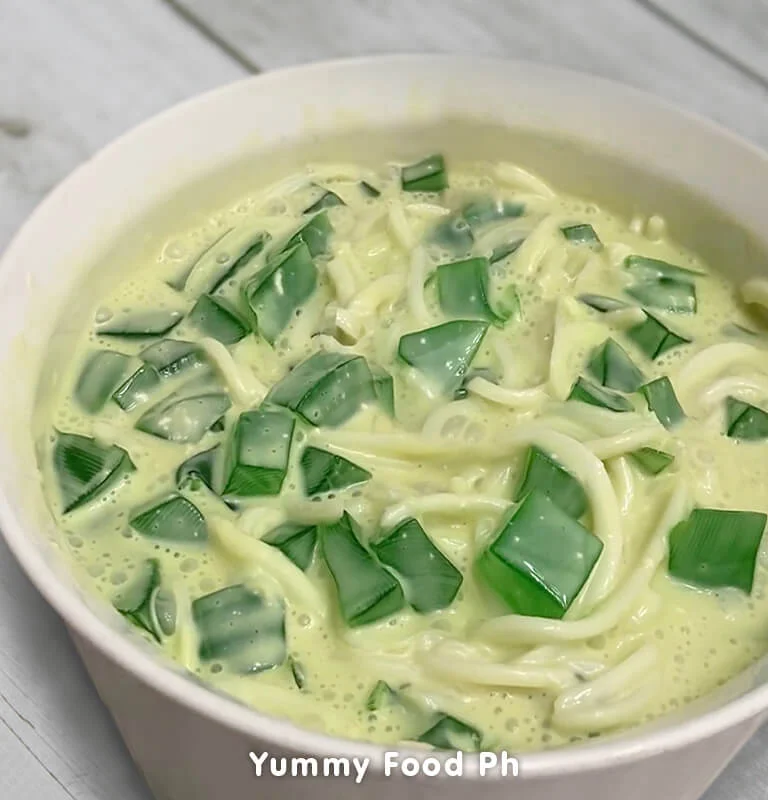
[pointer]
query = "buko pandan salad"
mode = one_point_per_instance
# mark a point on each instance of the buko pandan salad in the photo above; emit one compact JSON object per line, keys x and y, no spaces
{"x":426,"y":453}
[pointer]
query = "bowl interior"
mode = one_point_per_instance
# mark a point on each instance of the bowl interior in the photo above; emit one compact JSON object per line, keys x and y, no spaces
{"x":586,"y":137}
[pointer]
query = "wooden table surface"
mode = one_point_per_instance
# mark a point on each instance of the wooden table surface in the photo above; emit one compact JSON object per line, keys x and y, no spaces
{"x":76,"y":73}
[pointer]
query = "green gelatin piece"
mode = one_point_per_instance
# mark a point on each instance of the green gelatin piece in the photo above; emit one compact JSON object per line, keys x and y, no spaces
{"x":315,"y":234}
{"x":258,"y":453}
{"x":584,"y":391}
{"x":219,"y":319}
{"x":174,"y":519}
{"x":449,"y":733}
{"x":539,"y":559}
{"x":101,"y":375}
{"x":138,"y":388}
{"x":542,"y":473}
{"x":240,"y":629}
{"x":367,"y":592}
{"x":172,"y":356}
{"x":443,"y":354}
{"x":612,"y":367}
{"x":462,"y":288}
{"x":654,"y":338}
{"x":430,"y":580}
{"x":326,"y":389}
{"x":326,"y":472}
{"x":86,"y":469}
{"x":660,"y":396}
{"x":716,"y":548}
{"x":276,"y":293}
{"x":745,"y":421}
{"x":296,"y":541}
{"x":583,"y":234}
{"x":427,"y":175}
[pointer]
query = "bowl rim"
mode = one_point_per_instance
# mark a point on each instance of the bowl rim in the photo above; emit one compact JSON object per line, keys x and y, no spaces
{"x":228,"y":712}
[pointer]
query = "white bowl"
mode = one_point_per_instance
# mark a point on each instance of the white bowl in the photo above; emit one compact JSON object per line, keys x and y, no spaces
{"x":585,"y":135}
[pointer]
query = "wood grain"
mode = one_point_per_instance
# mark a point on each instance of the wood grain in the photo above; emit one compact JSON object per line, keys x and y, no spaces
{"x":619,"y":39}
{"x":57,"y":741}
{"x":82,"y":73}
{"x":737,"y":30}
{"x":746,"y":778}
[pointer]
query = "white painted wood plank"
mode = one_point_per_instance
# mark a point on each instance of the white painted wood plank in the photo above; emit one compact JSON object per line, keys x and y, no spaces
{"x":736,"y":28}
{"x":747,"y":776}
{"x":57,"y":741}
{"x":618,"y":39}
{"x":73,"y":75}
{"x":22,"y":773}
